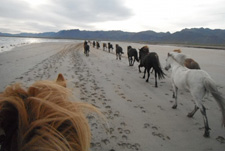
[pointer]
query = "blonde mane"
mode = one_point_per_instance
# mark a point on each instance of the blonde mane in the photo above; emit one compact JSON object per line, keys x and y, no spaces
{"x":145,"y":47}
{"x":177,"y":50}
{"x":43,"y":117}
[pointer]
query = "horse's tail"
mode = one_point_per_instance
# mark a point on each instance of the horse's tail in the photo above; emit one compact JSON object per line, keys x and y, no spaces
{"x":159,"y":72}
{"x":211,"y":87}
{"x":136,"y":56}
{"x":158,"y":69}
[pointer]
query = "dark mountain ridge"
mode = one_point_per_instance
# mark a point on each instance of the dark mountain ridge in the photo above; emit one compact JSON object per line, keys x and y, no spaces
{"x":193,"y":36}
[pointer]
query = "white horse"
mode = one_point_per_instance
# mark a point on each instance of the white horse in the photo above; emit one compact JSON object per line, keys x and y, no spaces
{"x":198,"y":82}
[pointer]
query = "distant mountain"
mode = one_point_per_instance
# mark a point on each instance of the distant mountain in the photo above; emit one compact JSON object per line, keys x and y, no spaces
{"x":193,"y":36}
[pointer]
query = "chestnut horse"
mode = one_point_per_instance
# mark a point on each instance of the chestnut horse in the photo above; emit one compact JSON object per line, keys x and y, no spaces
{"x":42,"y":117}
{"x":188,"y":62}
{"x":104,"y":46}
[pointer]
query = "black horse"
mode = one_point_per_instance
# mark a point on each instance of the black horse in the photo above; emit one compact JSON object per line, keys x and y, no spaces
{"x":93,"y":44}
{"x":110,"y":46}
{"x":86,"y":49}
{"x":151,"y":60}
{"x":142,"y":53}
{"x":132,"y":52}
{"x":119,"y":51}
{"x":97,"y":45}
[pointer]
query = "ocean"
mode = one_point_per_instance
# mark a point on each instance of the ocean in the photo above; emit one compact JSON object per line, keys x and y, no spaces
{"x":8,"y":43}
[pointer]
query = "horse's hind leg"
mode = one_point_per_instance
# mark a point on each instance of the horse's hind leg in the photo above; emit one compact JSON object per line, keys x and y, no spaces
{"x":133,"y":61}
{"x":144,"y":73}
{"x":198,"y":95}
{"x":139,"y":67}
{"x":148,"y":70}
{"x":175,"y":90}
{"x":130,"y":61}
{"x":156,"y":85}
{"x":191,"y":114}
{"x":203,"y":111}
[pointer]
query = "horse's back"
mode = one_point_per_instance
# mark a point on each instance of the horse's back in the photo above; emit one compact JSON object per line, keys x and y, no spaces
{"x":191,"y":64}
{"x":87,"y":47}
{"x":152,"y":57}
{"x":190,"y":78}
{"x":119,"y":49}
{"x":132,"y":52}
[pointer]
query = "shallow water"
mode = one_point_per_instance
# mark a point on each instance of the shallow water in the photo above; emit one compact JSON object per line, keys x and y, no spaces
{"x":8,"y":43}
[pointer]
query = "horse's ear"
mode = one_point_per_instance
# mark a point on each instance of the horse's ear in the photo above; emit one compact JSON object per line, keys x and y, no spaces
{"x":61,"y":80}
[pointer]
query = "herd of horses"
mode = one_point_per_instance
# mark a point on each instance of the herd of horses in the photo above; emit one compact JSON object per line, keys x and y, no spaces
{"x":186,"y":74}
{"x":43,"y":116}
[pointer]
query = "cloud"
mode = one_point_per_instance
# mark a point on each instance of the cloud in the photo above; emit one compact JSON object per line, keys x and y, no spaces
{"x":61,"y":14}
{"x":92,"y":10}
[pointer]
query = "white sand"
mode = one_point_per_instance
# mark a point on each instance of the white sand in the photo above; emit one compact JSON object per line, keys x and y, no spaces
{"x":140,"y":116}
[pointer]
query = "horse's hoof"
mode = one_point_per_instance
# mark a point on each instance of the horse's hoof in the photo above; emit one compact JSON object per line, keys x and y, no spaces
{"x":190,"y":115}
{"x":206,"y":134}
{"x":174,"y":106}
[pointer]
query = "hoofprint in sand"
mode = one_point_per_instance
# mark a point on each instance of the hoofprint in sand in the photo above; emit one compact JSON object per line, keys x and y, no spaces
{"x":139,"y":115}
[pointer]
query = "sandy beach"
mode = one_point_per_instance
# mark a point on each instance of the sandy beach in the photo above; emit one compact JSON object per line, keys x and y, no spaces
{"x":140,"y":116}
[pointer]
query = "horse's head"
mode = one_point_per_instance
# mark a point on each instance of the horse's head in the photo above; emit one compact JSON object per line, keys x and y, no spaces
{"x":43,"y":117}
{"x":168,"y":62}
{"x":174,"y":56}
{"x":143,"y":52}
{"x":128,"y":47}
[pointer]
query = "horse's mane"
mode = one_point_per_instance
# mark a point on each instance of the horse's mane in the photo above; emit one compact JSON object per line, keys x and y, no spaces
{"x":179,"y":57}
{"x":177,"y":50}
{"x":145,"y":47}
{"x":43,"y":117}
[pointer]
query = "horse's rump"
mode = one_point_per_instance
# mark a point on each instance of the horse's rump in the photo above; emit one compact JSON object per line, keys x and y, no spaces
{"x":132,"y":52}
{"x":152,"y":61}
{"x":119,"y":49}
{"x":87,"y":47}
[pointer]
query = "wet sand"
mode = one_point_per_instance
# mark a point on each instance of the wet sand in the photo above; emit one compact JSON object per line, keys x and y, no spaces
{"x":140,"y":116}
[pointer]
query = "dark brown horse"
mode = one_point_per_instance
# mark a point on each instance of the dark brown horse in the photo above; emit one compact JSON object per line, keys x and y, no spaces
{"x":119,"y":52}
{"x":142,"y":53}
{"x":132,"y":55}
{"x":151,"y":60}
{"x":97,"y":45}
{"x":104,"y":46}
{"x":110,"y":46}
{"x":87,"y":49}
{"x":93,"y":43}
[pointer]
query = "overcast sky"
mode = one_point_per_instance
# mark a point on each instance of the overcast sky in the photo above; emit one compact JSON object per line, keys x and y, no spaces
{"x":37,"y":16}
